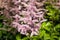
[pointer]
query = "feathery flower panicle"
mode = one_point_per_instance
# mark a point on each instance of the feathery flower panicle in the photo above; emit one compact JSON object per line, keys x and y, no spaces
{"x":28,"y":17}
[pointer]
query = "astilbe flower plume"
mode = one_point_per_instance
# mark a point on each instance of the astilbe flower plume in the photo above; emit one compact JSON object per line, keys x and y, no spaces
{"x":27,"y":16}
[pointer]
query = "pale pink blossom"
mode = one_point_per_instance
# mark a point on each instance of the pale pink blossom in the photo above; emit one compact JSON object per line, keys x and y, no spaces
{"x":29,"y":19}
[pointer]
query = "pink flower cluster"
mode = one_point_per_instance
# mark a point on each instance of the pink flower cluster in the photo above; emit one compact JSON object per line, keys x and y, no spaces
{"x":27,"y":18}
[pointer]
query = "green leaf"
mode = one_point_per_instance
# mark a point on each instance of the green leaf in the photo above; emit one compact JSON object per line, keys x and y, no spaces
{"x":0,"y":24}
{"x":46,"y":36}
{"x":46,"y":26}
{"x":59,"y":38}
{"x":57,"y":26}
{"x":18,"y":37}
{"x":42,"y":32}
